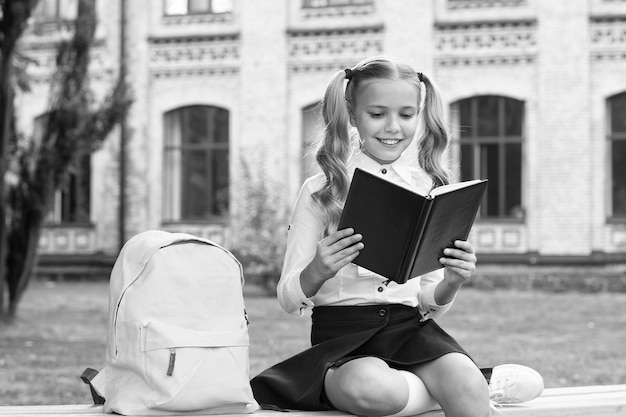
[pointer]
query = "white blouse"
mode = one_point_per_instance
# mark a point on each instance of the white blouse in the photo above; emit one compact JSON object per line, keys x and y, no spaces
{"x":352,"y":285}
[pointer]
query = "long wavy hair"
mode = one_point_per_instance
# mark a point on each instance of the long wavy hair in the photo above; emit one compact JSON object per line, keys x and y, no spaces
{"x":338,"y":144}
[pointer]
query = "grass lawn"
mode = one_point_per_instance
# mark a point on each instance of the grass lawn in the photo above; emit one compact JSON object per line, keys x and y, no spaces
{"x":571,"y":338}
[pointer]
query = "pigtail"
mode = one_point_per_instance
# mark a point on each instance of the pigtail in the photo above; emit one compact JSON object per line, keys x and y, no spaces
{"x":334,"y":152}
{"x":435,"y":137}
{"x":336,"y":148}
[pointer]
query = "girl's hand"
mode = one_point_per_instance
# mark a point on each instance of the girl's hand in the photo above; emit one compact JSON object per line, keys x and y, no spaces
{"x":459,"y":263}
{"x":333,"y":253}
{"x":336,"y":251}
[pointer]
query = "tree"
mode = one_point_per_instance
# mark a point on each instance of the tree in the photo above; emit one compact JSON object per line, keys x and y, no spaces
{"x":15,"y":14}
{"x":74,"y":126}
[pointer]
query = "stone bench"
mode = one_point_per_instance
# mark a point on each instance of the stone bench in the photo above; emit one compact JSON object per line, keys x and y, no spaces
{"x":589,"y":401}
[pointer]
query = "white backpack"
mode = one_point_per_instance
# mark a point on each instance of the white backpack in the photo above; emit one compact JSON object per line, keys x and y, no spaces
{"x":177,"y":338}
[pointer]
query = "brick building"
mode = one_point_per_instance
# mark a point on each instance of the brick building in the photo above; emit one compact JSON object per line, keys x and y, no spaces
{"x":535,"y":93}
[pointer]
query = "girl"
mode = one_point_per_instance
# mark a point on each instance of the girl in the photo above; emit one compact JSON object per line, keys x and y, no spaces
{"x":375,"y":349}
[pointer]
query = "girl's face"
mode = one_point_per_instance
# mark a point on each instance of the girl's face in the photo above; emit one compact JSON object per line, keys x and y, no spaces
{"x":385,"y":114}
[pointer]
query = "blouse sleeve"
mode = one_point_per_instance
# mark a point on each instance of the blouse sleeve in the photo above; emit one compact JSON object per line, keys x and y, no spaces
{"x":304,"y":232}
{"x":427,"y":305}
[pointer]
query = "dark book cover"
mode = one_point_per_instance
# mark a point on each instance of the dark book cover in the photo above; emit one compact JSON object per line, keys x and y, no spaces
{"x":404,"y":233}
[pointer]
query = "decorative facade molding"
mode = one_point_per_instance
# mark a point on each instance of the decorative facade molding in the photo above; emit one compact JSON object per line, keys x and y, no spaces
{"x":482,"y":4}
{"x":70,"y":239}
{"x":194,"y":55}
{"x":490,"y":238}
{"x":194,"y":19}
{"x":49,"y":32}
{"x":314,"y":50}
{"x":608,"y":38}
{"x":43,"y":64}
{"x":163,"y":73}
{"x":330,"y":12}
{"x":486,"y":43}
{"x":40,"y":46}
{"x":214,"y":232}
{"x":486,"y":60}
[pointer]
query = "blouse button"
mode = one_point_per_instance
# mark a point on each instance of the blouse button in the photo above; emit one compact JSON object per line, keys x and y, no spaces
{"x":380,"y":289}
{"x":384,"y":170}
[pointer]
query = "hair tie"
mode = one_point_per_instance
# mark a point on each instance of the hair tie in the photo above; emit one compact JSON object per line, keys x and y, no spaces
{"x":420,"y":76}
{"x":348,"y":72}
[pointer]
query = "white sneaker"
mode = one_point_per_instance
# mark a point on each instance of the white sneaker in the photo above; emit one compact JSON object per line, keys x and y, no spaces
{"x":512,"y":384}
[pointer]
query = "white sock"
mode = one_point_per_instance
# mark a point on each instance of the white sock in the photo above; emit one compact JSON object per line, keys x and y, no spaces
{"x":420,"y":400}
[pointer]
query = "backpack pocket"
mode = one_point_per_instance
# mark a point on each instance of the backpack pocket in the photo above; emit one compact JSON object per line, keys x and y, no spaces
{"x":193,"y":370}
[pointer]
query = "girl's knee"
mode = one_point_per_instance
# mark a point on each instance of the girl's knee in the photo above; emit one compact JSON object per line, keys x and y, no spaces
{"x":469,"y":392}
{"x":458,"y":385}
{"x":474,"y":389}
{"x":366,"y":386}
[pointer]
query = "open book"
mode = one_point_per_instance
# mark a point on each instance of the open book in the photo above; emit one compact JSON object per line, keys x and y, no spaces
{"x":404,"y":233}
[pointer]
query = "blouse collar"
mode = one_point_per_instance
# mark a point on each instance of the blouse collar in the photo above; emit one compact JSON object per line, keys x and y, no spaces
{"x":400,"y":166}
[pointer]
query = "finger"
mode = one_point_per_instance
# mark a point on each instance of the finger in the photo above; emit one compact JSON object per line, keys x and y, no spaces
{"x":337,"y":236}
{"x":459,"y":254}
{"x":350,"y":240}
{"x":345,"y":252}
{"x":344,"y":243}
{"x":458,"y":264}
{"x":464,"y":245}
{"x":344,"y":256}
{"x":352,"y":249}
{"x":343,"y":261}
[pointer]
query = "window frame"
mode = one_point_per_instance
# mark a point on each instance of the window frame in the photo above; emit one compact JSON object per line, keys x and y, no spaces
{"x":69,"y":206}
{"x":500,"y":139}
{"x":612,"y":138}
{"x":311,"y":131}
{"x":176,"y":150}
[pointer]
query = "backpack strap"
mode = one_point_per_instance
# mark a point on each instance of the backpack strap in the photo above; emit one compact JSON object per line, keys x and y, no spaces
{"x":90,"y":377}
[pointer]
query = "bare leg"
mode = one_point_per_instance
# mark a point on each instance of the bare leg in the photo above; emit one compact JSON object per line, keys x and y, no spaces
{"x":457,"y":384}
{"x":369,"y":387}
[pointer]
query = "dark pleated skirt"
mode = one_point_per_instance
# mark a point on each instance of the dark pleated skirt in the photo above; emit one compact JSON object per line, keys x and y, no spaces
{"x":339,"y":334}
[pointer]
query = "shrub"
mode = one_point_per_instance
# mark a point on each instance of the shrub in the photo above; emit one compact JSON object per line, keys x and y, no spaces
{"x":259,"y":227}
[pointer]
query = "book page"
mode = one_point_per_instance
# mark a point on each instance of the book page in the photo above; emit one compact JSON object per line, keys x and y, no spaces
{"x":450,"y":217}
{"x":451,"y":187}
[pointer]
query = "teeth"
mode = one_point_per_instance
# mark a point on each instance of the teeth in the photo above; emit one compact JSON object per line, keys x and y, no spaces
{"x":389,"y":141}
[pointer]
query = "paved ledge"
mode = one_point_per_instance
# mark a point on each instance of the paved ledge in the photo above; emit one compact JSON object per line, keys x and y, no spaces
{"x":589,"y":401}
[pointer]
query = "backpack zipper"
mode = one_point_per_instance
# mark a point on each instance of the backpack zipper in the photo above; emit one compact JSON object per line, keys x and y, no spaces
{"x":170,"y":368}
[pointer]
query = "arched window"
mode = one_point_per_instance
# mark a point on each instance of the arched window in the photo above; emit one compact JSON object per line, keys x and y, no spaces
{"x":311,"y":131}
{"x":617,"y":145}
{"x":491,"y":136}
{"x":72,"y":200}
{"x":195,"y":172}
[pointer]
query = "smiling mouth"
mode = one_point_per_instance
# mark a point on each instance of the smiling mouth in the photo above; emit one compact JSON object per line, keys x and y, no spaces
{"x":389,"y":141}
